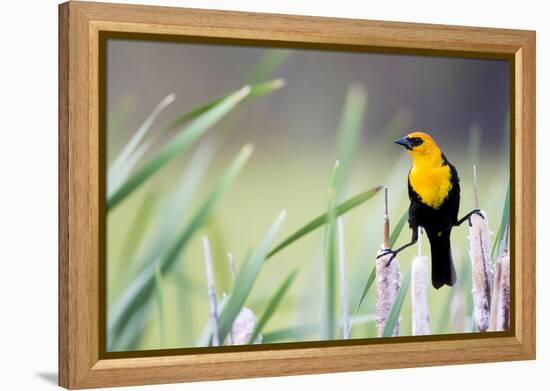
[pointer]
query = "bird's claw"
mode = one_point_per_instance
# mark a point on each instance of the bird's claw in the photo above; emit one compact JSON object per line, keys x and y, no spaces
{"x":387,"y":252}
{"x":384,"y":252}
{"x":475,"y":212}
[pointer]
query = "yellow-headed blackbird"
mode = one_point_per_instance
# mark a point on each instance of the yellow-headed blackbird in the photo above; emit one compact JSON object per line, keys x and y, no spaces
{"x":434,"y":192}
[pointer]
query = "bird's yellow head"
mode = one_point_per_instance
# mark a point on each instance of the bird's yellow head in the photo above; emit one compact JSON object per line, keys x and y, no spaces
{"x":422,"y":148}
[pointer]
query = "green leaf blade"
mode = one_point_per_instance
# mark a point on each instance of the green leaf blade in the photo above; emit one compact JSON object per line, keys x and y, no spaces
{"x":321,"y":220}
{"x":272,"y":305}
{"x":398,"y":228}
{"x":160,"y":304}
{"x":139,"y":291}
{"x":368,"y":285}
{"x":126,"y":158}
{"x":503,"y":221}
{"x":349,"y":134}
{"x":256,"y":90}
{"x":267,"y":64}
{"x":246,"y":278}
{"x":328,"y":323}
{"x":298,"y":333}
{"x":372,"y":275}
{"x":177,"y":145}
{"x":200,"y":217}
{"x":397,"y":306}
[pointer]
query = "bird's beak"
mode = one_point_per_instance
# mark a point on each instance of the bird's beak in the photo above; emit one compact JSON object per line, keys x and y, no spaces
{"x":404,"y":141}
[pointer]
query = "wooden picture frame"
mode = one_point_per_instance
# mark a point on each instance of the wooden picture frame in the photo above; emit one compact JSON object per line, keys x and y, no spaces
{"x":81,"y":362}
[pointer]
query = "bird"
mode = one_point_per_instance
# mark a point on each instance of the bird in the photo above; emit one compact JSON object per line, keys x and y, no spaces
{"x":434,"y":194}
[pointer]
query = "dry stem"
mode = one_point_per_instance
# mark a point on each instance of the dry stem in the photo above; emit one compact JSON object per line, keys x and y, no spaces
{"x":211,"y":291}
{"x":386,"y":220}
{"x":232,"y":266}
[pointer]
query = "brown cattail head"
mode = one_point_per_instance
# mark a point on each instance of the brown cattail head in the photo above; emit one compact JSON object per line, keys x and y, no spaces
{"x":482,"y":271}
{"x":243,"y":328}
{"x":419,"y":295}
{"x":388,"y":281}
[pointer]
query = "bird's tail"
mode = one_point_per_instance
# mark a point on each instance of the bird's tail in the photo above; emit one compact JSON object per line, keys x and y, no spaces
{"x":443,"y":270}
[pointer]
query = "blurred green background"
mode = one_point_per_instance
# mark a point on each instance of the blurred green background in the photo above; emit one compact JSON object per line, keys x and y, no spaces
{"x":462,"y":103}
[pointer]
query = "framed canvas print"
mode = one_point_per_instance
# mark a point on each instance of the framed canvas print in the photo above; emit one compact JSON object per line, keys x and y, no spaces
{"x":248,"y":195}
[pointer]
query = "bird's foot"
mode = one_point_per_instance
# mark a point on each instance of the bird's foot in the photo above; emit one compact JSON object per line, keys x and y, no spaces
{"x":469,"y":217}
{"x":474,"y":212}
{"x":385,"y":252}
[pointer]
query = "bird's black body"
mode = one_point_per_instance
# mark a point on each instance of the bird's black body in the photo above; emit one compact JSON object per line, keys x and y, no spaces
{"x":435,"y":199}
{"x":438,"y":224}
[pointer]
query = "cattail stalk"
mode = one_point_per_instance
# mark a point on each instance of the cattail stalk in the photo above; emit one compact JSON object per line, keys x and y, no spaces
{"x":419,"y":292}
{"x":343,"y":281}
{"x":211,"y":292}
{"x":482,"y":272}
{"x":388,"y":279}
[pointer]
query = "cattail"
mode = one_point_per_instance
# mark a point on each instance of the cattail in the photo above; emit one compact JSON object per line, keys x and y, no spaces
{"x":496,"y":295}
{"x":243,"y":328}
{"x":503,"y":314}
{"x":388,"y":277}
{"x":211,"y":292}
{"x":419,"y":292}
{"x":500,"y":306}
{"x":482,"y":273}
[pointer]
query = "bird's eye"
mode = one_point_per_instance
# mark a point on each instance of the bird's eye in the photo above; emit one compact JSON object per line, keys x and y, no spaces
{"x":416,"y":141}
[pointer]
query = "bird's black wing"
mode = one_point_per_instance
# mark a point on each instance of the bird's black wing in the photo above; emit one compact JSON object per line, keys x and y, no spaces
{"x":415,"y":207}
{"x":451,"y":204}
